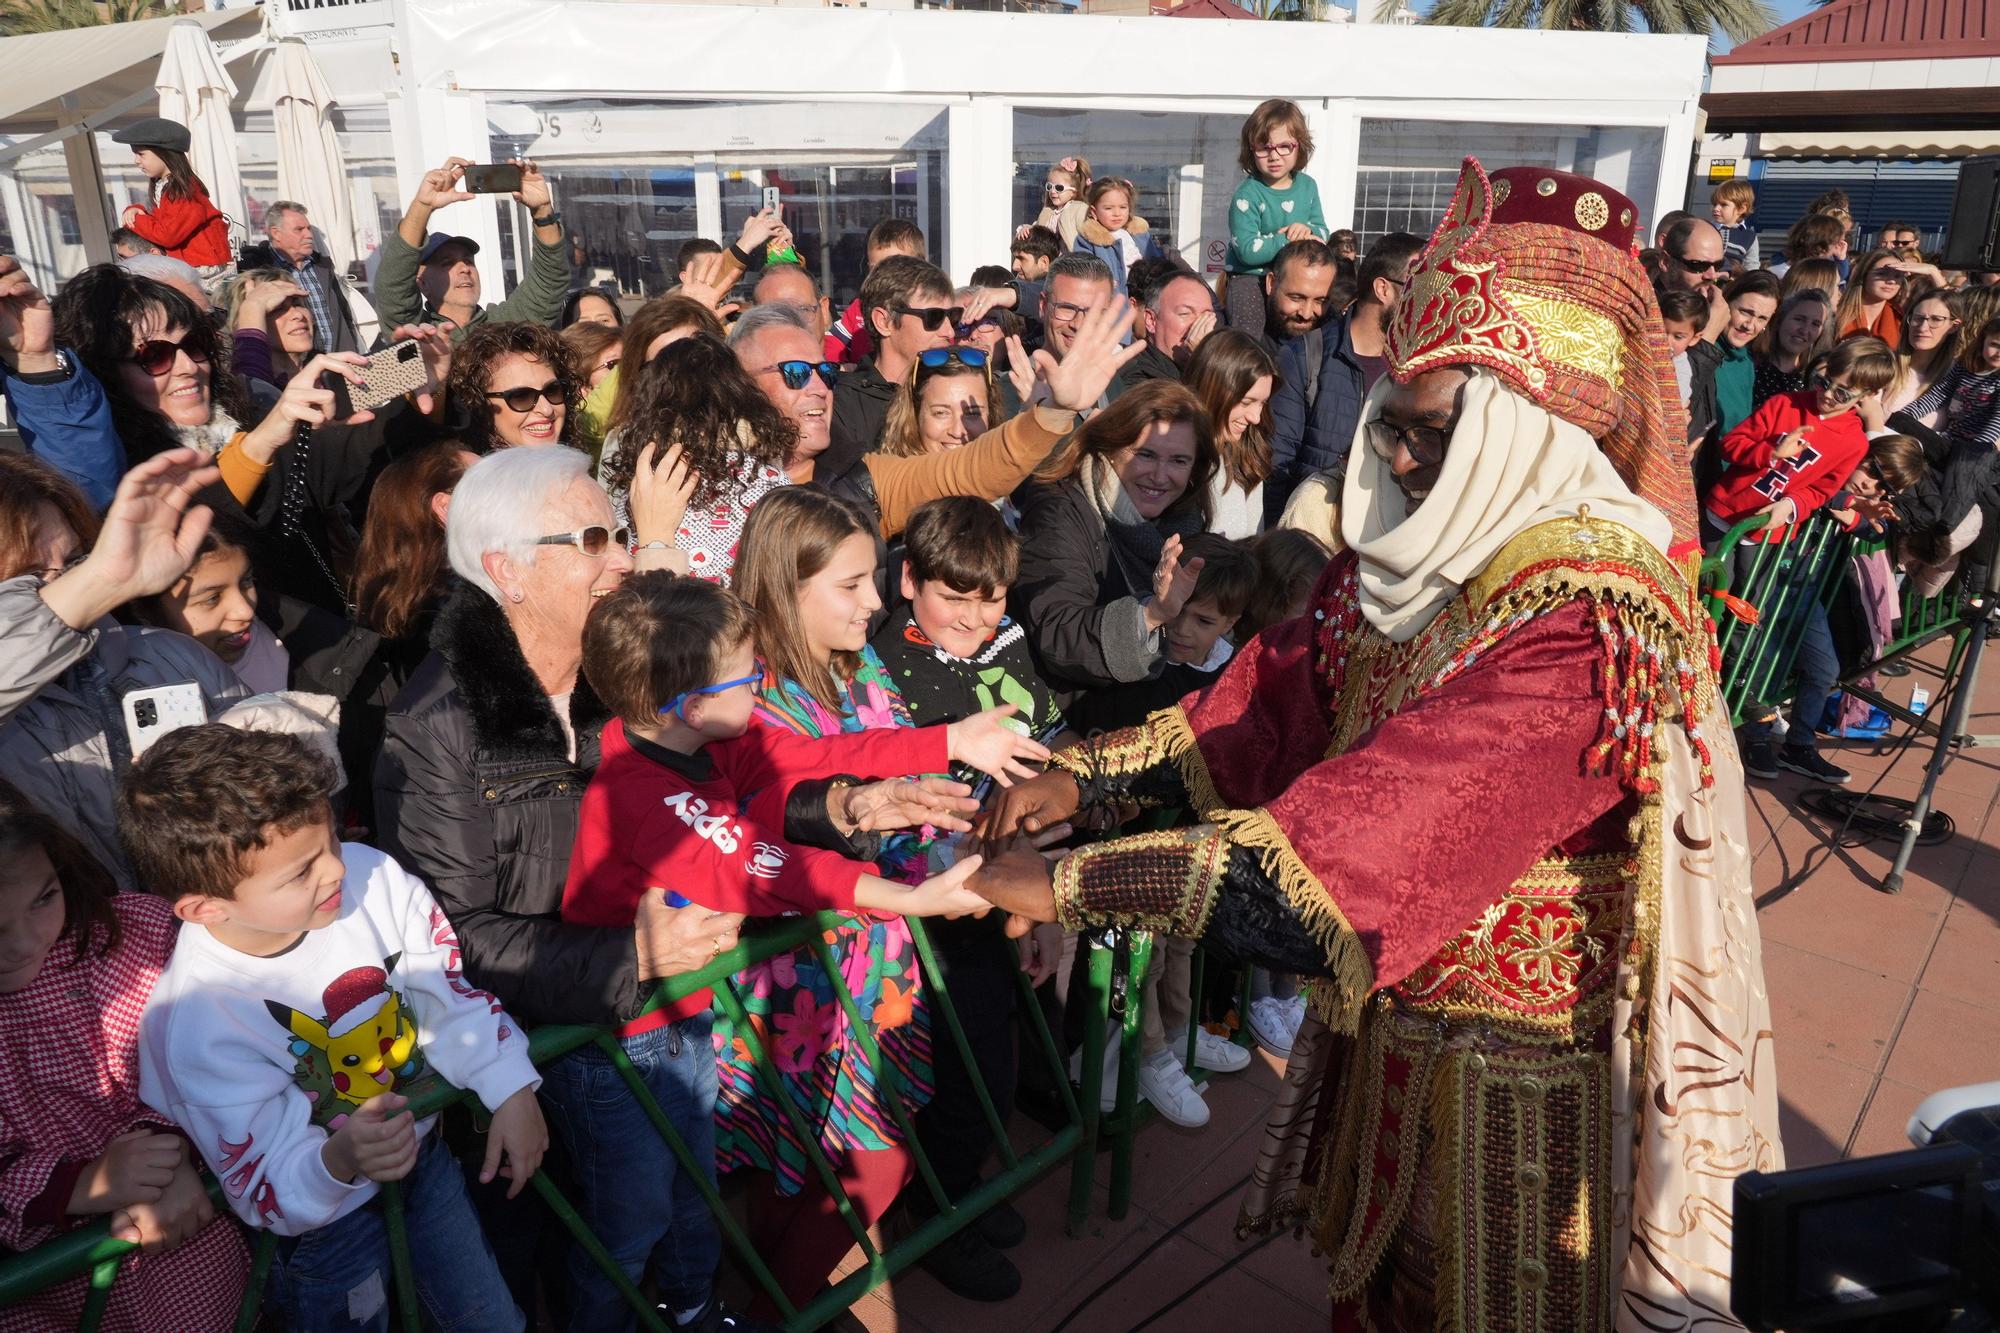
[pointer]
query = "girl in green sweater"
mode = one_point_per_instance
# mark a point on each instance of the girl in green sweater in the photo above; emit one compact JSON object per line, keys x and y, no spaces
{"x":1277,"y":203}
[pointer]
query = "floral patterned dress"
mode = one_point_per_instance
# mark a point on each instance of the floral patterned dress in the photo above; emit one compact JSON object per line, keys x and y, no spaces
{"x":790,"y":999}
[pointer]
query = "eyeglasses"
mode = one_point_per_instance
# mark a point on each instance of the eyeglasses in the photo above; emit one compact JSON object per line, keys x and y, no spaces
{"x":156,"y":355}
{"x":934,"y":358}
{"x":1841,"y":394}
{"x":610,"y":364}
{"x":932,"y":317}
{"x":1931,"y":321}
{"x":1064,"y":312}
{"x":679,"y":701}
{"x":554,"y":393}
{"x":1276,"y":149}
{"x":1698,"y":265}
{"x":593,"y":541}
{"x":1425,"y":443}
{"x":797,"y":373}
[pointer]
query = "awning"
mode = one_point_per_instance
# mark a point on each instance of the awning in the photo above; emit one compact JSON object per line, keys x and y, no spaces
{"x":1914,"y":143}
{"x":94,"y":69}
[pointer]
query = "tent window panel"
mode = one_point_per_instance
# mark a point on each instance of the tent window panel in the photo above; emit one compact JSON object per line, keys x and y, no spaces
{"x":1409,"y":167}
{"x":1171,"y":157}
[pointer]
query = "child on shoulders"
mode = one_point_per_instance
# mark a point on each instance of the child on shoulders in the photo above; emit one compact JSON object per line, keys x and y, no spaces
{"x":1275,"y":204}
{"x":315,"y":988}
{"x":76,"y":1144}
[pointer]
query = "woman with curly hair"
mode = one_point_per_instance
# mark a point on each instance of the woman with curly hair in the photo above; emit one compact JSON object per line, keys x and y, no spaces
{"x":512,"y":385}
{"x":654,"y":326}
{"x":694,"y":397}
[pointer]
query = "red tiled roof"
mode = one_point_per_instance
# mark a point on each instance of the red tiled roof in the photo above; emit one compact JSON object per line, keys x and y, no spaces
{"x":1850,"y":30}
{"x":1218,"y":9}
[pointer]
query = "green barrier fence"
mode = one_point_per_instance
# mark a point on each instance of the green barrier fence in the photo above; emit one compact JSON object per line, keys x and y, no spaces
{"x":91,"y":1253}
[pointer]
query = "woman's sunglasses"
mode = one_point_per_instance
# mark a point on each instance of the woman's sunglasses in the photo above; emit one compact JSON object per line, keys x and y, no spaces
{"x":679,"y":701}
{"x":555,"y":393}
{"x":593,"y":541}
{"x":797,"y":373}
{"x":156,"y":355}
{"x":933,"y":317}
{"x":936,"y":358}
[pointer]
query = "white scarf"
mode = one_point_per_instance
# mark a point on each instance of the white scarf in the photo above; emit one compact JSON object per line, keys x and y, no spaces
{"x":1510,"y":466}
{"x":1128,"y":249}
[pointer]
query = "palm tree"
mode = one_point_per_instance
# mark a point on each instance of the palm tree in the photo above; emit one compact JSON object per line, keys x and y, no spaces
{"x":20,"y":17}
{"x":1740,"y":20}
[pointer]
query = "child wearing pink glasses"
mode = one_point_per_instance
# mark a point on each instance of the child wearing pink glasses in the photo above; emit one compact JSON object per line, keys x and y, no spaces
{"x":1277,"y":203}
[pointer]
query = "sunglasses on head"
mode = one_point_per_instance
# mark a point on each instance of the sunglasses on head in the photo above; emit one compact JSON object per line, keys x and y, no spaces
{"x":156,"y":355}
{"x":797,"y":373}
{"x":679,"y":701}
{"x":934,"y":358}
{"x":933,"y":317}
{"x":554,"y":393}
{"x":593,"y":540}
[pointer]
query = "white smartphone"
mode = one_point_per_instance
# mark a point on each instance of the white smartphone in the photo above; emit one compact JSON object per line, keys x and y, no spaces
{"x":773,"y":201}
{"x":152,"y":713}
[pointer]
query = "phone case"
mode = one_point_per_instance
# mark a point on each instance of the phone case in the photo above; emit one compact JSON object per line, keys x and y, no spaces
{"x":152,"y":713}
{"x":389,"y":374}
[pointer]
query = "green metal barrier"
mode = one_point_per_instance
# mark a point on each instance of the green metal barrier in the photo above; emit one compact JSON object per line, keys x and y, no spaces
{"x":92,"y":1253}
{"x":1781,"y":580}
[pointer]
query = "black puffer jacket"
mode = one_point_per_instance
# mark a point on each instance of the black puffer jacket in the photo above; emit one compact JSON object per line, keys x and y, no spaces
{"x":475,"y":793}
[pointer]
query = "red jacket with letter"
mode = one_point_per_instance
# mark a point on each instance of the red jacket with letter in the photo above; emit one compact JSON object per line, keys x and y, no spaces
{"x":711,"y":826}
{"x":1757,"y":477}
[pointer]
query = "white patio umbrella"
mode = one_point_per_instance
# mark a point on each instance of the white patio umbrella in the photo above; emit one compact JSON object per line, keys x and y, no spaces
{"x":310,"y":169}
{"x":196,"y":90}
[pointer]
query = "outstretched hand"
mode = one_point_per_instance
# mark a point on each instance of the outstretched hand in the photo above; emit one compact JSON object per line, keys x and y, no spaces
{"x":901,"y":803}
{"x":1098,"y":353}
{"x":27,"y":326}
{"x":149,"y":538}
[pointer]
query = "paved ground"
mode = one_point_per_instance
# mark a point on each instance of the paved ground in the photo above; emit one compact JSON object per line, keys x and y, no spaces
{"x":1877,"y":1001}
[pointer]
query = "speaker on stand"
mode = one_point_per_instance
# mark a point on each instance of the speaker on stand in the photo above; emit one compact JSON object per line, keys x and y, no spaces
{"x":1972,"y":244}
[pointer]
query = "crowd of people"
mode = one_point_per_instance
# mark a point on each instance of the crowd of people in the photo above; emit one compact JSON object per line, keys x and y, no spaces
{"x":341,"y":744}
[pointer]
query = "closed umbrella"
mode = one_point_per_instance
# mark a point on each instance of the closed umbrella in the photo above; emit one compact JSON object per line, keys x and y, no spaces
{"x":310,"y":170}
{"x":196,"y":90}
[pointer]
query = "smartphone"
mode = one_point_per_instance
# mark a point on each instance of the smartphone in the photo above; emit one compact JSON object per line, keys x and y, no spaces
{"x":390,"y":373}
{"x":500,"y":178}
{"x":152,"y":713}
{"x":773,"y":201}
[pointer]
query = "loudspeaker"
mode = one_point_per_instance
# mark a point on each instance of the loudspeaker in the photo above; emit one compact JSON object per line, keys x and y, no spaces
{"x":1973,"y":243}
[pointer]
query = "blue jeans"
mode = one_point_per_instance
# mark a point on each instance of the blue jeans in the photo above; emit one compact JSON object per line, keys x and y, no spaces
{"x":337,"y":1278}
{"x":633,"y":1194}
{"x":1816,"y":664}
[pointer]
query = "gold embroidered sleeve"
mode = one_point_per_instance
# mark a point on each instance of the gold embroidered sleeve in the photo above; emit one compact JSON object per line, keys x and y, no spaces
{"x":1146,"y":765}
{"x":1165,"y":881}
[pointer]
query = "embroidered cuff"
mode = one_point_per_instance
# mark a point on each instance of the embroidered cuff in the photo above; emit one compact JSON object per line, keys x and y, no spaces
{"x":1142,"y":765}
{"x":1165,"y":881}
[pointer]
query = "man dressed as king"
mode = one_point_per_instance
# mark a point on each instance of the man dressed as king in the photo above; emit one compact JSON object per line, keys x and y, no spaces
{"x":1484,"y":791}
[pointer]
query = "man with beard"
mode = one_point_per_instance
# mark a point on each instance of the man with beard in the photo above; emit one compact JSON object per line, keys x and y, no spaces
{"x":1296,"y":288}
{"x":1485,"y":791}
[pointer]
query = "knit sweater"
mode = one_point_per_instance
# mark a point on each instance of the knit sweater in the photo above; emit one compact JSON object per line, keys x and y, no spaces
{"x":1258,"y":216}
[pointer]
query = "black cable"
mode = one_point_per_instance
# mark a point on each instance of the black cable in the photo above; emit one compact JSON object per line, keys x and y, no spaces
{"x":1147,"y":1253}
{"x":1866,"y":817}
{"x":1208,"y":1277}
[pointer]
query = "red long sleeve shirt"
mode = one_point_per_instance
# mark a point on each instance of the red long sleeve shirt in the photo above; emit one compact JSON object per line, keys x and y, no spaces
{"x":190,"y":230}
{"x":1756,"y":477}
{"x":711,"y":827}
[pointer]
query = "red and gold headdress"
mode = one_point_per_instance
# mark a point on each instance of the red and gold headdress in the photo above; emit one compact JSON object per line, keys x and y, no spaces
{"x":1534,"y":274}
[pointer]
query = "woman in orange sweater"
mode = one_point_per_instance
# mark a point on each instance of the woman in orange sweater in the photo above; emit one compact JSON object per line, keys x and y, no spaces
{"x":178,"y":216}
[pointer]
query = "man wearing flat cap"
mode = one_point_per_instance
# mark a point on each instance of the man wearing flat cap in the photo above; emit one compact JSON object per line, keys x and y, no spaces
{"x":1484,"y":791}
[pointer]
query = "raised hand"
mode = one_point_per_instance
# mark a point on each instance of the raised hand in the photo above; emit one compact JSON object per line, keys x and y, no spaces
{"x":434,"y":342}
{"x":760,"y":228}
{"x":534,"y":194}
{"x":27,"y":328}
{"x":150,"y":535}
{"x":439,"y":187}
{"x":1203,"y":325}
{"x":262,"y":298}
{"x":662,"y":485}
{"x":986,"y":742}
{"x":1022,"y":372}
{"x":306,"y":403}
{"x":1081,"y":377}
{"x":708,"y":280}
{"x":1173,"y":583}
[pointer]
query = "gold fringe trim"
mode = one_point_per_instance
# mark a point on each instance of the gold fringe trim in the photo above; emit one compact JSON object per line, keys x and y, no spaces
{"x":1352,"y":975}
{"x":1177,"y":742}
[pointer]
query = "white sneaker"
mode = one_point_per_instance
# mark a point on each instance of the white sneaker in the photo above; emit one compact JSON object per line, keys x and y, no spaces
{"x":1165,"y":1084}
{"x":1275,"y":1023}
{"x":1215,"y":1054}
